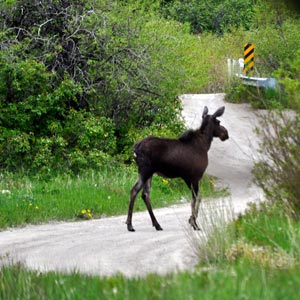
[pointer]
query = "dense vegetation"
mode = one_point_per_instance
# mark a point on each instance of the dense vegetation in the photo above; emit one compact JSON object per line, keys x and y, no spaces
{"x":81,"y":82}
{"x":76,"y":78}
{"x":215,"y":16}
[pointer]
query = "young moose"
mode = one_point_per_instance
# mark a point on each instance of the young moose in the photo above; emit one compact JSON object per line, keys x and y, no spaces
{"x":185,"y":157}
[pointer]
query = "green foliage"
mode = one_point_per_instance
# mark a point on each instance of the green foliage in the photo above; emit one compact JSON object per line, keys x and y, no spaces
{"x":276,"y":38}
{"x":289,"y":77}
{"x":275,"y":45}
{"x":104,"y":47}
{"x":40,"y":131}
{"x":120,"y":64}
{"x":262,"y":98}
{"x":75,"y":145}
{"x":278,"y":172}
{"x":217,"y":233}
{"x":215,"y":16}
{"x":269,"y":226}
{"x":241,"y":281}
{"x":264,"y":235}
{"x":76,"y":78}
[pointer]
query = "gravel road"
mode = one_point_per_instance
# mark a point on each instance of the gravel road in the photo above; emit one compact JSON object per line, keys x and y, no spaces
{"x":104,"y":246}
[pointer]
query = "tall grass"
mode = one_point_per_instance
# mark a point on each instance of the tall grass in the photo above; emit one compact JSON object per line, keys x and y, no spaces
{"x":264,"y":236}
{"x":91,"y":195}
{"x":217,"y":231}
{"x":255,"y":256}
{"x":274,"y":236}
{"x":239,"y":281}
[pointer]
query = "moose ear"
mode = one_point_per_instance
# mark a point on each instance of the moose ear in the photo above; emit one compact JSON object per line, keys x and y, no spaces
{"x":205,"y":112}
{"x":219,"y":112}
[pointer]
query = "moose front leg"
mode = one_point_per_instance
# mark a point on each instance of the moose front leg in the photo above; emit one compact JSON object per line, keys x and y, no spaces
{"x":195,"y":206}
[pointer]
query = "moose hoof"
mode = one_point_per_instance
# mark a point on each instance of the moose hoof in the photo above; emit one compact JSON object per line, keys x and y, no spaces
{"x":130,"y":228}
{"x":196,"y":228}
{"x":158,"y":228}
{"x":193,"y":223}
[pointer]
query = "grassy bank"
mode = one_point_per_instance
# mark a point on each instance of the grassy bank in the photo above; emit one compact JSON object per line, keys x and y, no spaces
{"x":242,"y":280}
{"x":260,"y":259}
{"x":91,"y":195}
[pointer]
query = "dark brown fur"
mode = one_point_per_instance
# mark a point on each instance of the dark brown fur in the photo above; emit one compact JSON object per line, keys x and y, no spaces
{"x":185,"y":157}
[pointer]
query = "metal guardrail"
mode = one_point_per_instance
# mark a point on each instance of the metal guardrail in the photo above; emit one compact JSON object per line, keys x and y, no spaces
{"x":267,"y":82}
{"x":235,"y":68}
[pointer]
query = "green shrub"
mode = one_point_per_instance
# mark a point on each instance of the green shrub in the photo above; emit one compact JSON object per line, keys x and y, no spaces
{"x":276,"y":43}
{"x":121,"y":65}
{"x":276,"y":38}
{"x":215,"y":16}
{"x":39,"y":129}
{"x":263,"y":98}
{"x":79,"y":82}
{"x":289,"y":77}
{"x":278,"y":172}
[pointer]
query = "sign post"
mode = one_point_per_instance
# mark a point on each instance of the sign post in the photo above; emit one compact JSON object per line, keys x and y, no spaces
{"x":248,"y":59}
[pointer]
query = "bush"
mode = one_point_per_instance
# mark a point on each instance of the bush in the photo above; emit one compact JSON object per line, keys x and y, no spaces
{"x":275,"y":34}
{"x":263,"y":98}
{"x":278,"y":172}
{"x":40,"y":131}
{"x":103,"y":48}
{"x":289,"y":77}
{"x":82,"y":141}
{"x":76,"y":78}
{"x":275,"y":45}
{"x":215,"y":16}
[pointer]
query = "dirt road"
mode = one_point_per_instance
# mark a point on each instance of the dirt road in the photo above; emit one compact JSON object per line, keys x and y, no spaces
{"x":105,"y":247}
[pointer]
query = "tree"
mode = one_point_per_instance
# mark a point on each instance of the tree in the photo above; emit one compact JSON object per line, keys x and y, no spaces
{"x":64,"y":62}
{"x":215,"y":16}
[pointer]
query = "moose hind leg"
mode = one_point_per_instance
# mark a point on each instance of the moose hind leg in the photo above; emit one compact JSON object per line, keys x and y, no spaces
{"x":146,"y":198}
{"x":198,"y":202}
{"x":133,"y":193}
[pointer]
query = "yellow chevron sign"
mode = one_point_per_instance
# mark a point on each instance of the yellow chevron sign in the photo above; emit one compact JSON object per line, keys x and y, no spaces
{"x":248,"y":58}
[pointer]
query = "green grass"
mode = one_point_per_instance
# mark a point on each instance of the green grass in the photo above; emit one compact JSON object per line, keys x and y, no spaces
{"x":242,"y":280}
{"x":264,"y":236}
{"x":93,"y":194}
{"x":256,"y":256}
{"x":269,"y":226}
{"x":260,"y":259}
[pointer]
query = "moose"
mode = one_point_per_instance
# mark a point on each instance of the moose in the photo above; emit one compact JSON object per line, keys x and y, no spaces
{"x":185,"y":157}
